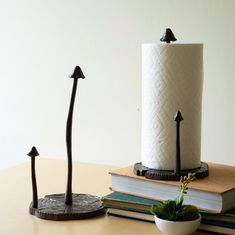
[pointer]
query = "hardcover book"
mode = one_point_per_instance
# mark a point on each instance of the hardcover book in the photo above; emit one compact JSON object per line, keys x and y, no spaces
{"x":137,"y":208}
{"x":213,"y":226}
{"x":125,"y":202}
{"x":215,"y":193}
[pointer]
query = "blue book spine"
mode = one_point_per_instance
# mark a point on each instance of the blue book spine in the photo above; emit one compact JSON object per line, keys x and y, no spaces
{"x":218,"y":223}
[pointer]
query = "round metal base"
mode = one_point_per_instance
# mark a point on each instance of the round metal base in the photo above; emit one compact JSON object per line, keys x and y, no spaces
{"x":141,"y":170}
{"x":52,"y":207}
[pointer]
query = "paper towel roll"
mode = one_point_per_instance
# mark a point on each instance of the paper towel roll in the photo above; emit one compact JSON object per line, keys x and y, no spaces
{"x":172,"y":76}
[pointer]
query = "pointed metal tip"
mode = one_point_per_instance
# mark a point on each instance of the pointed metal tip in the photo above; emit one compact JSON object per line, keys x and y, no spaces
{"x":168,"y":36}
{"x":33,"y":152}
{"x":178,"y":117}
{"x":77,"y":73}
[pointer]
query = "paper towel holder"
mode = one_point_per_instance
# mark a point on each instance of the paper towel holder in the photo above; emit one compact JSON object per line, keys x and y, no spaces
{"x":156,"y":174}
{"x":68,"y":205}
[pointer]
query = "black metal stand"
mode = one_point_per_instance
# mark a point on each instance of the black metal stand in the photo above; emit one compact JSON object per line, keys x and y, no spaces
{"x":149,"y":173}
{"x":67,"y":206}
{"x":52,"y":207}
{"x":177,"y":172}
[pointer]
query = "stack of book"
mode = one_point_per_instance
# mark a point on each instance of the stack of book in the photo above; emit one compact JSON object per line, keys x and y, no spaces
{"x":134,"y":195}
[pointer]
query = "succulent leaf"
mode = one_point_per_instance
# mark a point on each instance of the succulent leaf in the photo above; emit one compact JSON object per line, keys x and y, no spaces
{"x":174,"y":210}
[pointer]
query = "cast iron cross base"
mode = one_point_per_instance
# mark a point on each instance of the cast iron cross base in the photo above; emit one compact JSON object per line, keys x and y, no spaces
{"x":141,"y":170}
{"x":52,"y":207}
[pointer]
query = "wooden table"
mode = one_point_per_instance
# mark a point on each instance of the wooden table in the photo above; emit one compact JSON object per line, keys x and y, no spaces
{"x":16,"y":194}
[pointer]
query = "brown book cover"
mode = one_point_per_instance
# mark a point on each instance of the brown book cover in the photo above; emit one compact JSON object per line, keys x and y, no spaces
{"x":217,"y":188}
{"x":220,"y":180}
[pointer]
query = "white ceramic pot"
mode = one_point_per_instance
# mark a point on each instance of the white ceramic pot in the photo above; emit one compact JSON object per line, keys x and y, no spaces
{"x":177,"y":227}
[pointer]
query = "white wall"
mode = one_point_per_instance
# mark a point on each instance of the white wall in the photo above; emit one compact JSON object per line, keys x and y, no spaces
{"x":42,"y":41}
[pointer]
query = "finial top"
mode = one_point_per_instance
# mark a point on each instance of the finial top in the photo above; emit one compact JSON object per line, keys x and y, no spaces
{"x":178,"y":117}
{"x":168,"y":36}
{"x":33,"y":152}
{"x":77,"y":73}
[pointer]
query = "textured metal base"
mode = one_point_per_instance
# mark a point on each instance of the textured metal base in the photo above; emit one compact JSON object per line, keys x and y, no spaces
{"x":155,"y":174}
{"x":52,"y":207}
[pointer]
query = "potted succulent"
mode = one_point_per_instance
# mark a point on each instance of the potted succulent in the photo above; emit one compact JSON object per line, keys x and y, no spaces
{"x":172,"y":217}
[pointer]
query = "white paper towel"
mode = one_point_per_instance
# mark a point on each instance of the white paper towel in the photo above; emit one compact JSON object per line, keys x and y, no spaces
{"x":172,"y":76}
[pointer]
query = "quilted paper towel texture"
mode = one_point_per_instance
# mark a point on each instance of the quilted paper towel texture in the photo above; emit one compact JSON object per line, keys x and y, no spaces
{"x":172,"y":78}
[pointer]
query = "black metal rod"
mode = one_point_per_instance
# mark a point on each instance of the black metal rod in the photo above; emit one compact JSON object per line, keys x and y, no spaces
{"x":178,"y":118}
{"x":68,"y":195}
{"x":178,"y":161}
{"x":34,"y":183}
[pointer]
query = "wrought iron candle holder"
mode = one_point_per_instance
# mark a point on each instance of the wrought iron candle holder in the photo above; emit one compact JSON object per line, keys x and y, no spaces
{"x":67,"y":206}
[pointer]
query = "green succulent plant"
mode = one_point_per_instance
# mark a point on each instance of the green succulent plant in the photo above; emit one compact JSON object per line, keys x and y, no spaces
{"x":174,"y":210}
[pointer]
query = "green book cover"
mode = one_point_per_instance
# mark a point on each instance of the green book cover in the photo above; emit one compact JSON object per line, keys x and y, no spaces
{"x":122,"y":197}
{"x":128,"y":202}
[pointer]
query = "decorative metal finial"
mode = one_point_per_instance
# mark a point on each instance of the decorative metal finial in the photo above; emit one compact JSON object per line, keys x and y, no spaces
{"x":33,"y":153}
{"x":178,"y":118}
{"x":77,"y":73}
{"x":168,"y":36}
